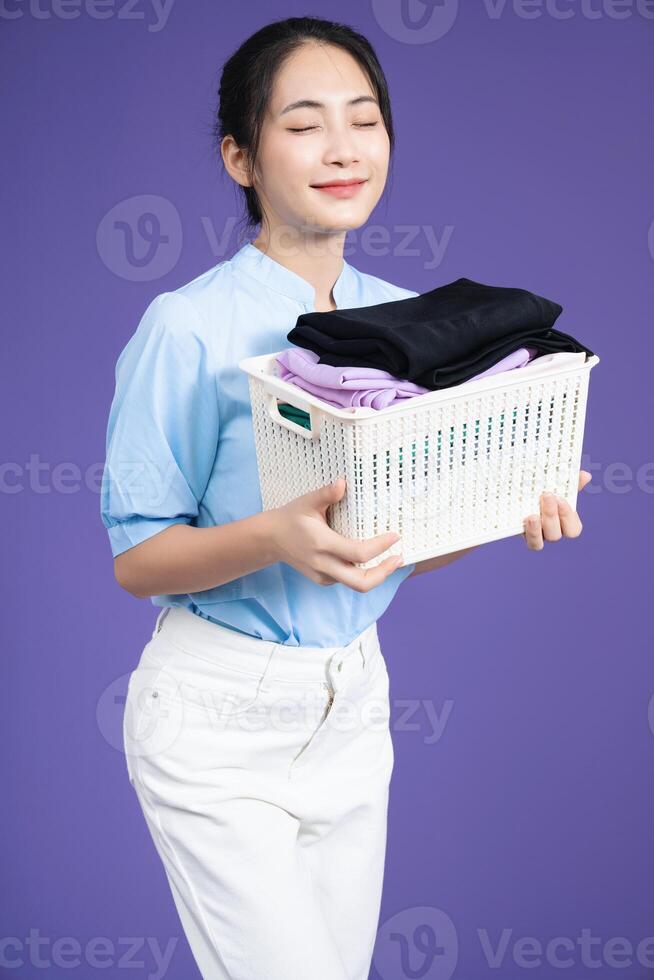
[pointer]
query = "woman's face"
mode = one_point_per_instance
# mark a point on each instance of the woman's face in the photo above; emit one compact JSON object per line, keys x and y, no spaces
{"x":308,"y":145}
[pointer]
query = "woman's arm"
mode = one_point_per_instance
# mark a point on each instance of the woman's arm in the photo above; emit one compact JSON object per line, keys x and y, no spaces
{"x":183,"y":558}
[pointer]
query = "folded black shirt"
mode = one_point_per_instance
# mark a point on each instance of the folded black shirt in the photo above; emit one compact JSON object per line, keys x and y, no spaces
{"x":440,"y":338}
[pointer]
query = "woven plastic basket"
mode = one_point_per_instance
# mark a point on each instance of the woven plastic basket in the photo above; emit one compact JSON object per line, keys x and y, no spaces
{"x":449,"y":469}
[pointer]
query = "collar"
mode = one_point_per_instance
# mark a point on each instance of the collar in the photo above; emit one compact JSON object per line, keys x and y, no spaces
{"x":277,"y":277}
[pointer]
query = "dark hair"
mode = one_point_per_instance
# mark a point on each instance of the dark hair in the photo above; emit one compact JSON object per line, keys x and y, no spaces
{"x":247,"y":78}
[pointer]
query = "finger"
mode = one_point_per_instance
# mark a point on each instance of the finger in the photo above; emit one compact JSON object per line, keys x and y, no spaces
{"x":584,"y":478}
{"x":550,"y":517}
{"x":353,"y":550}
{"x":362,"y":579}
{"x":570,"y":521}
{"x":533,"y":533}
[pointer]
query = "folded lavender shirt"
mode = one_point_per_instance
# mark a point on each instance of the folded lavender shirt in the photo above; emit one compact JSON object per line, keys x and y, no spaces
{"x":517,"y":359}
{"x":365,"y":386}
{"x":344,"y":386}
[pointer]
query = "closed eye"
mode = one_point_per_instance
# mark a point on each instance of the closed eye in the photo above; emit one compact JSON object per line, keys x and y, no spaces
{"x":306,"y":129}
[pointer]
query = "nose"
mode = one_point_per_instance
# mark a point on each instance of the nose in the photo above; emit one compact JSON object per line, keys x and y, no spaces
{"x":341,"y":146}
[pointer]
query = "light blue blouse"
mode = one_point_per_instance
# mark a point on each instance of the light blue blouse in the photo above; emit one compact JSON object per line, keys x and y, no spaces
{"x":180,"y":442}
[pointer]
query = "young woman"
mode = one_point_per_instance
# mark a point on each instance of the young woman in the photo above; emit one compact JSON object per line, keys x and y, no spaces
{"x":257,"y":720}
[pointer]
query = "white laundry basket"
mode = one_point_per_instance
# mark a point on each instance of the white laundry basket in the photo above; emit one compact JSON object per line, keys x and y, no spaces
{"x":449,"y":469}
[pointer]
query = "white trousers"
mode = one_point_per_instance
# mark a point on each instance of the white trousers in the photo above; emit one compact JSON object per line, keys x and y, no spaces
{"x":263,"y":773}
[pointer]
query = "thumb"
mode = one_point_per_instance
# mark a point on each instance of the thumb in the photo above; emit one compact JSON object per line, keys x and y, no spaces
{"x":330,"y":493}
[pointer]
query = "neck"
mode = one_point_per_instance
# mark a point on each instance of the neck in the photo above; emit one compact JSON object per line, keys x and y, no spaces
{"x":316,"y":258}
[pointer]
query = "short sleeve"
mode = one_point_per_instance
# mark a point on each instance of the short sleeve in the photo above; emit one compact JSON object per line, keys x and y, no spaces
{"x":162,"y":434}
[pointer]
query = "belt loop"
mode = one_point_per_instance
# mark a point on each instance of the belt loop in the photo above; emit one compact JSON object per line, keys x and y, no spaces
{"x":361,"y":651}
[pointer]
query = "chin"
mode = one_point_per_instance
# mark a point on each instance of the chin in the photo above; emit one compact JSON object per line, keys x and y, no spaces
{"x":340,"y":228}
{"x":341,"y":222}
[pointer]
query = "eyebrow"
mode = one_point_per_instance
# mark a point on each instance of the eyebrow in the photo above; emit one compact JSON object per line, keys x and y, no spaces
{"x":312,"y":104}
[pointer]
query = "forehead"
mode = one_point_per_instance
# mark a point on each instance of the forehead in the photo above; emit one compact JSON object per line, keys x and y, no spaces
{"x":325,"y":73}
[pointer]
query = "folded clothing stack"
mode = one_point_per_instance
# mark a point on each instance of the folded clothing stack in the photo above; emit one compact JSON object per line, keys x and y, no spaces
{"x":439,"y":339}
{"x":380,"y":355}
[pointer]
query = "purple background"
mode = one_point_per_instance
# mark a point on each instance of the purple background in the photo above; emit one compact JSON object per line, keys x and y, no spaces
{"x":531,"y":138}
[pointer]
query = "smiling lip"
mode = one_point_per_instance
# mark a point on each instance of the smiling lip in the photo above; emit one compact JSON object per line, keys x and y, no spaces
{"x":343,"y":188}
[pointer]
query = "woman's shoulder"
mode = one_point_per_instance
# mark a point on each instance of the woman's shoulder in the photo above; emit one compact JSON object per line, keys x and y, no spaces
{"x":202,"y":292}
{"x":190,"y":307}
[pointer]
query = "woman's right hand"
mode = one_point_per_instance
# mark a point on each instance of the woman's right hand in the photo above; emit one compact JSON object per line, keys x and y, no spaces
{"x":303,"y":538}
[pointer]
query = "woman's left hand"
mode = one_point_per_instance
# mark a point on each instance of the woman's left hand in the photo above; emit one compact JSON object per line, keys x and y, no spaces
{"x":556,"y":520}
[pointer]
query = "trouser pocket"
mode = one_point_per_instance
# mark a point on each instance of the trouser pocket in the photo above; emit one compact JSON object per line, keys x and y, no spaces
{"x":150,"y":722}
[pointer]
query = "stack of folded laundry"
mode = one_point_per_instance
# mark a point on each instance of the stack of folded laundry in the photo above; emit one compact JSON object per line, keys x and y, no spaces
{"x":379,"y":355}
